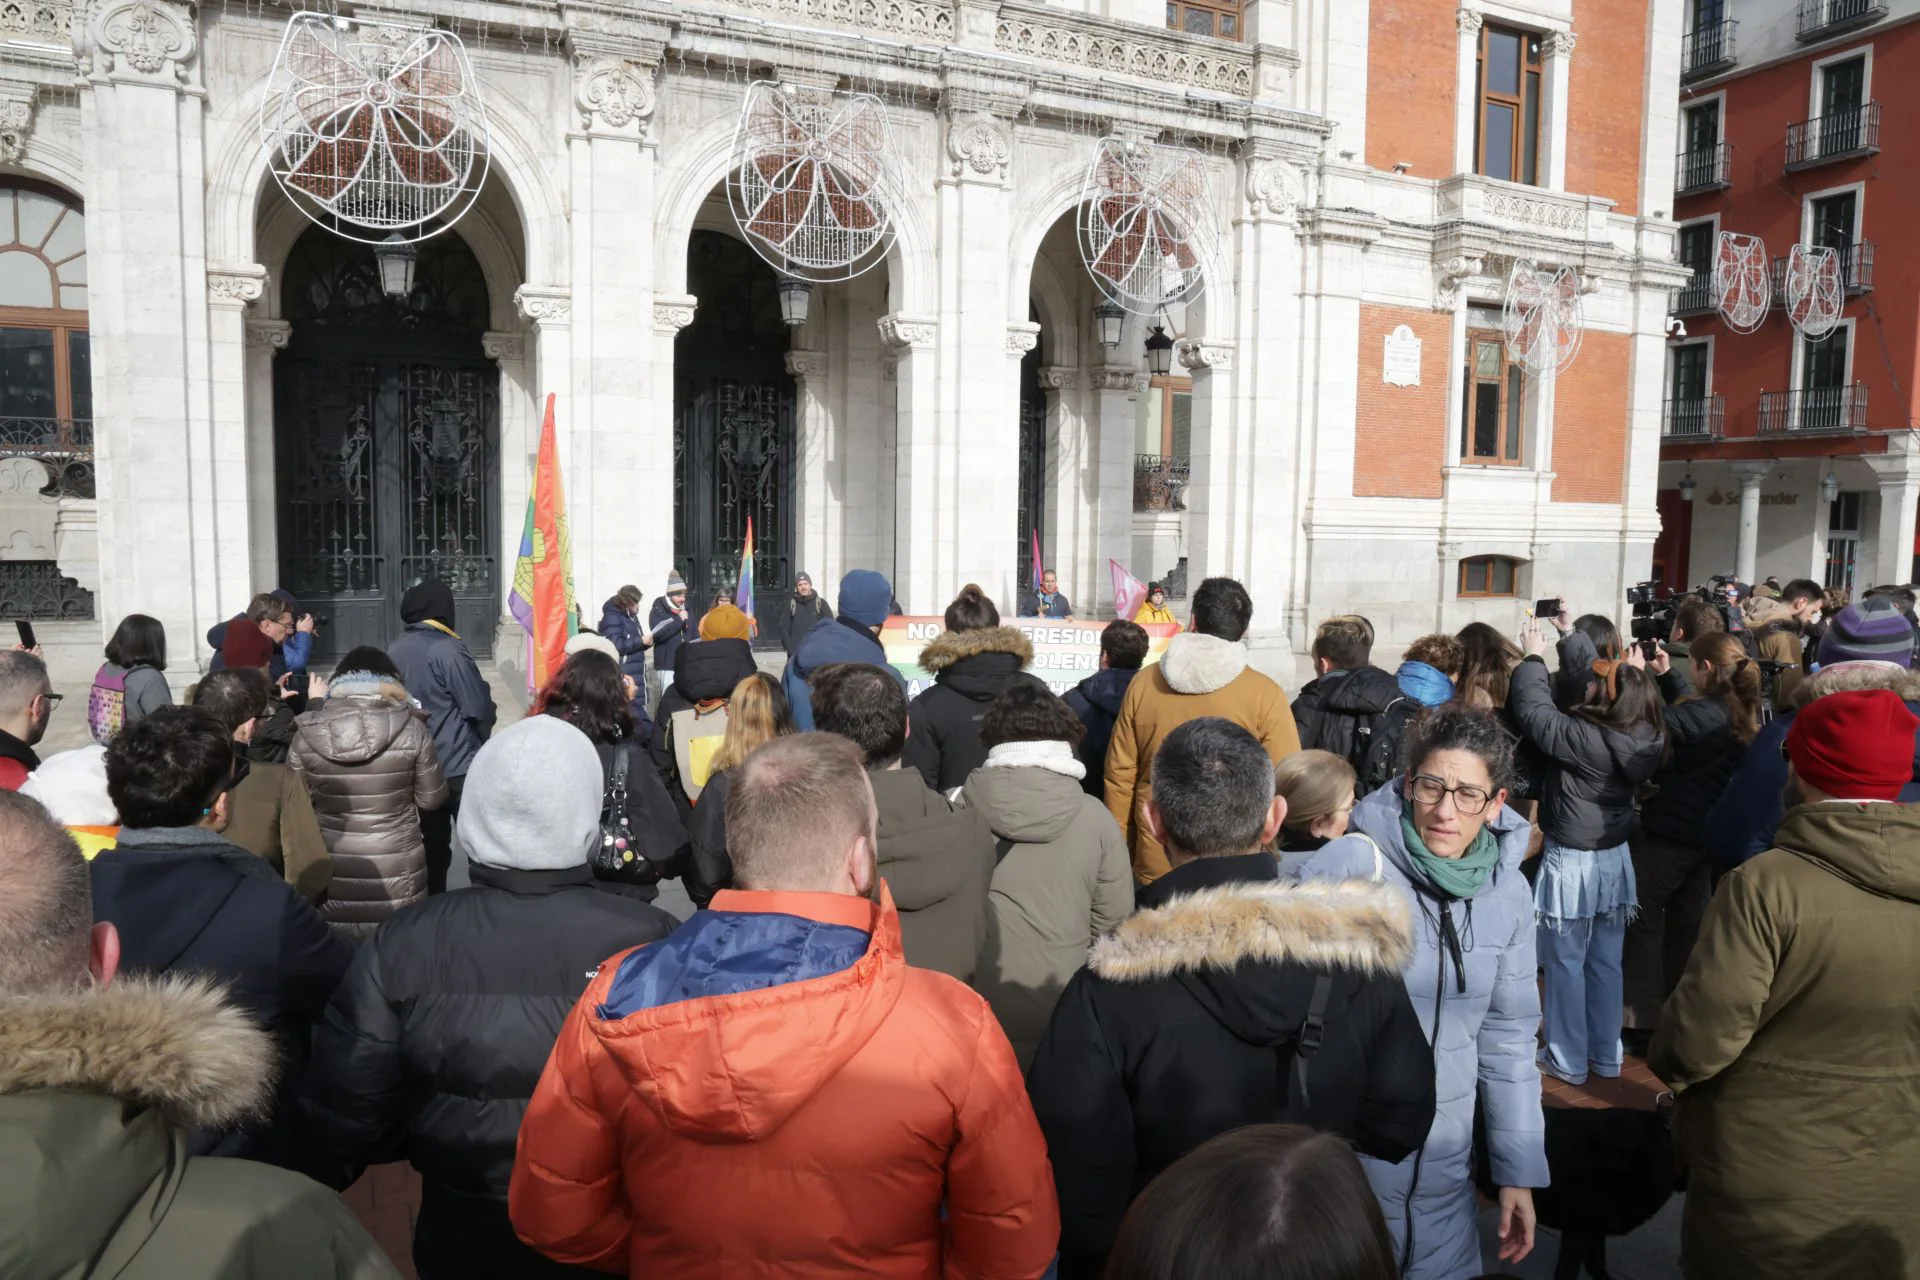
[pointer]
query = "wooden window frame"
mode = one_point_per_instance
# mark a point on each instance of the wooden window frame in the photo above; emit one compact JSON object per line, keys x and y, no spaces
{"x":1491,"y":564}
{"x":1166,"y":387}
{"x":62,"y":321}
{"x":1223,"y":12}
{"x":1511,"y":414}
{"x":1530,"y":85}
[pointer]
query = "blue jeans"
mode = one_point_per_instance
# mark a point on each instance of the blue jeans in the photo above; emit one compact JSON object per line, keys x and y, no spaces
{"x":1584,"y":996}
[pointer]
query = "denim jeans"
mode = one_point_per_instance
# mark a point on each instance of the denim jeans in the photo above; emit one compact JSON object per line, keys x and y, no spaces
{"x":1583,"y":995}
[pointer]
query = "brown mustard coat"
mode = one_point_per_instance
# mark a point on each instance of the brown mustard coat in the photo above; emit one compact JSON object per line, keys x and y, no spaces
{"x":271,"y":814}
{"x":1200,"y":675}
{"x":370,"y":765}
{"x":1793,"y":1042}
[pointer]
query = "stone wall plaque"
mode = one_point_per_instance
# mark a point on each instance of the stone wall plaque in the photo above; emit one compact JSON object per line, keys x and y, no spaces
{"x":1400,"y":367}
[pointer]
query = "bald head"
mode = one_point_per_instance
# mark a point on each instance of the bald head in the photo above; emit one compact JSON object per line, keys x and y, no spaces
{"x":46,"y":902}
{"x":800,"y":817}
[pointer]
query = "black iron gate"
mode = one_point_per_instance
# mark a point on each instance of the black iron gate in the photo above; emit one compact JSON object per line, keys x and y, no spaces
{"x":733,"y":430}
{"x":386,"y":423}
{"x":1033,"y":466}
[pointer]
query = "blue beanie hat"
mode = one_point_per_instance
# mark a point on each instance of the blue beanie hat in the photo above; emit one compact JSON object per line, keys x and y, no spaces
{"x":866,"y":597}
{"x":1872,"y":631}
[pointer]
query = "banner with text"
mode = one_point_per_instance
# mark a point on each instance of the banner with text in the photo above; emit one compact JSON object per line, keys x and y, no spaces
{"x":1064,"y":653}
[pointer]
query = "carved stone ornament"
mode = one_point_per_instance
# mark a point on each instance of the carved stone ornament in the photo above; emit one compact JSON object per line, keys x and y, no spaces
{"x":980,"y":143}
{"x":236,"y":286}
{"x":806,"y":364}
{"x":890,"y":370}
{"x":672,"y":314}
{"x":271,"y":334}
{"x":145,"y":36}
{"x":612,"y":92}
{"x":504,"y":347}
{"x":1204,"y":355}
{"x":1022,"y":337}
{"x":1448,"y":550}
{"x":544,"y":304}
{"x":1274,"y":186}
{"x":1059,"y":378}
{"x":1469,"y":20}
{"x":1116,"y":378}
{"x":1560,"y":44}
{"x":1451,"y":276}
{"x":16,"y":119}
{"x":898,"y":330}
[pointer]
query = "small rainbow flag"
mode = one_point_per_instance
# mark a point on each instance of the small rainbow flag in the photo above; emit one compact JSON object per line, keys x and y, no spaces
{"x":743,"y":594}
{"x":1039,"y":570}
{"x":542,"y":599}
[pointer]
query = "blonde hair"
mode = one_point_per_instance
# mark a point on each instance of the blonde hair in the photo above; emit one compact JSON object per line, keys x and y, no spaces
{"x":757,"y":713}
{"x":1314,"y":784}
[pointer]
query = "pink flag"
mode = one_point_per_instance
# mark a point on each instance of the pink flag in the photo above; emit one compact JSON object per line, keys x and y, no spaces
{"x":1128,"y":591}
{"x":1038,"y":571}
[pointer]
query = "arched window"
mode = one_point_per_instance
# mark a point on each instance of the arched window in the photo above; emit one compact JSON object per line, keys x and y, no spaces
{"x":46,"y":366}
{"x":1482,"y":576}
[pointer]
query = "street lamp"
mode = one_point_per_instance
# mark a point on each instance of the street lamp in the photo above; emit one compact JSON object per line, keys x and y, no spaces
{"x":397,"y":258}
{"x":1830,"y":484}
{"x":1686,"y":487}
{"x":796,"y":300}
{"x":1159,"y":352}
{"x":1112,"y":318}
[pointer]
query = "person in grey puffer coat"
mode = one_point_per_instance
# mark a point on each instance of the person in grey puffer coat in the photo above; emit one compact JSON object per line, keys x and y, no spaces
{"x":370,"y":766}
{"x":1472,"y":981}
{"x":1065,"y":877}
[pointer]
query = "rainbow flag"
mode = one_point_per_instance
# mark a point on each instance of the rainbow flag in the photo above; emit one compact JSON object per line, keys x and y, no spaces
{"x":542,"y":599}
{"x":1039,"y":570}
{"x":743,"y":594}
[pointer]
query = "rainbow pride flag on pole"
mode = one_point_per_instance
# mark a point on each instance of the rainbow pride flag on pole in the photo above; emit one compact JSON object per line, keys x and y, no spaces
{"x":743,"y":594}
{"x":542,"y":599}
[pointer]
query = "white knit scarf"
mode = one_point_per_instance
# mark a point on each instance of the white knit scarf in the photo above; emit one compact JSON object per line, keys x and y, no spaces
{"x":1054,"y":756}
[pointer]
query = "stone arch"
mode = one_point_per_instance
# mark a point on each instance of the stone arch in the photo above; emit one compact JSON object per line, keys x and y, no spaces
{"x":45,"y":160}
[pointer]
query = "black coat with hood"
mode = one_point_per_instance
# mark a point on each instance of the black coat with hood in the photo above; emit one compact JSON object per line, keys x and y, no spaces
{"x":1096,"y":700}
{"x":1361,"y":716}
{"x":969,"y":669}
{"x":1701,"y":757}
{"x":1590,"y":772}
{"x":1185,"y":1023}
{"x":442,"y":677}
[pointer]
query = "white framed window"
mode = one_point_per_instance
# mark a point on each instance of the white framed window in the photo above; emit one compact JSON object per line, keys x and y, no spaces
{"x":1824,"y":363}
{"x":1837,"y":82}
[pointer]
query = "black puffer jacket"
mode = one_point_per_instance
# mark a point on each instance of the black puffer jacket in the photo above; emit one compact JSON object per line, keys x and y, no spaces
{"x":438,"y":1034}
{"x":1700,"y":763}
{"x":1590,"y":773}
{"x":1359,"y":715}
{"x":1096,"y":700}
{"x":969,"y":669}
{"x":1184,"y":1024}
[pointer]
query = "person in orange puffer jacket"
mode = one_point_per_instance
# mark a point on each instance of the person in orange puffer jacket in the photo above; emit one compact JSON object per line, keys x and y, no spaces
{"x":772,"y":1089}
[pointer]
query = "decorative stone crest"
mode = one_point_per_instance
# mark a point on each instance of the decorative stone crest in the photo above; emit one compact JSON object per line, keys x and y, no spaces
{"x":146,"y":36}
{"x":1116,"y":378}
{"x":1197,"y":355}
{"x":503,"y":347}
{"x":1560,"y":44}
{"x":271,"y":334}
{"x":1059,"y":378}
{"x":1451,"y":276}
{"x":1022,"y":337}
{"x":612,"y":92}
{"x":980,"y":143}
{"x":544,"y":304}
{"x":235,"y":285}
{"x":898,"y":330}
{"x":1469,"y":20}
{"x":16,"y":119}
{"x":671,"y":314}
{"x":1275,"y":187}
{"x":806,"y":364}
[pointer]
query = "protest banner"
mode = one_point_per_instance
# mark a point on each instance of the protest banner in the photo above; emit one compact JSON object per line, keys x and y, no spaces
{"x":1064,"y":653}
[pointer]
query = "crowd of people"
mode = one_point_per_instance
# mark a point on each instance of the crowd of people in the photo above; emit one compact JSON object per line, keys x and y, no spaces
{"x":1170,"y":978}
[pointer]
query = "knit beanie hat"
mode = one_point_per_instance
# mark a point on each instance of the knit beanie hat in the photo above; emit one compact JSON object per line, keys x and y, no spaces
{"x":1872,"y":631}
{"x":582,"y":642}
{"x":866,"y":597}
{"x":675,"y":583}
{"x":246,"y":644}
{"x":725,"y":622}
{"x":1854,"y":746}
{"x":802,"y":576}
{"x":532,"y":798}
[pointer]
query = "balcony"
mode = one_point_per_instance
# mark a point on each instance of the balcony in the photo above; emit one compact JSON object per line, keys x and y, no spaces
{"x":64,"y":446}
{"x":1814,"y":410}
{"x":1823,"y":19}
{"x":1707,"y":50}
{"x":1160,"y":482}
{"x":1846,"y":134}
{"x":1696,"y":295}
{"x":1704,"y":169}
{"x":1856,"y":273}
{"x":1696,"y":418}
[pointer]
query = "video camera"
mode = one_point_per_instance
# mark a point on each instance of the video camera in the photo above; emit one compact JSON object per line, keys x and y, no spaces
{"x":1653,"y":616}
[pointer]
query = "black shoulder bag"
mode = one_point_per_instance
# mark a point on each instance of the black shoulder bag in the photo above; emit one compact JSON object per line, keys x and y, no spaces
{"x":615,"y":857}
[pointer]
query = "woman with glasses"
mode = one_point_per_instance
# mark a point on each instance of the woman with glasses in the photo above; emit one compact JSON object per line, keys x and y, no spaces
{"x":1443,"y":833}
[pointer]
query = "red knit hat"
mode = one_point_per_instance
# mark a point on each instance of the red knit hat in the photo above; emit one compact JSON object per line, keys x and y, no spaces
{"x":1854,"y":746}
{"x":246,"y":645}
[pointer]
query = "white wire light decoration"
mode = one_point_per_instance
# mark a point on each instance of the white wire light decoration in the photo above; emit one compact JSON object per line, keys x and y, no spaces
{"x":1742,"y":281}
{"x":375,"y":129}
{"x":1815,"y":295}
{"x":1144,"y":224}
{"x":1542,"y":317}
{"x":810,"y":181}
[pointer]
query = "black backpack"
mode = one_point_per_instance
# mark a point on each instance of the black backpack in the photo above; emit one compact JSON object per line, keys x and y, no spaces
{"x":1377,"y":739}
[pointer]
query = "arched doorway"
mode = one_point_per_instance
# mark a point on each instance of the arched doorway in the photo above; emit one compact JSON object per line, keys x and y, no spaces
{"x":733,"y":427}
{"x":387,"y":433}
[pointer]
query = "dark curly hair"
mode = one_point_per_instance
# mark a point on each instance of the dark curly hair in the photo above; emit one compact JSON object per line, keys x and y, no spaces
{"x":166,"y":768}
{"x":1456,"y":728}
{"x":1030,"y":712}
{"x":588,"y":694}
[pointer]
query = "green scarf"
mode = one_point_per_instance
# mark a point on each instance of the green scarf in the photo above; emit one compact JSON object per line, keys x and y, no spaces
{"x":1456,"y":877}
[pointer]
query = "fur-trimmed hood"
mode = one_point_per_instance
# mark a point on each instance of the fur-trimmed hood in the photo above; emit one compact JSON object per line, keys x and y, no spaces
{"x":952,"y":646}
{"x":173,"y":1044}
{"x":1198,"y":663}
{"x":1344,"y":924}
{"x":1851,"y":677}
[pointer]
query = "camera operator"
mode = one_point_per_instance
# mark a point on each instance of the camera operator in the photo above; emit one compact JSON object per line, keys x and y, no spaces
{"x":1693,"y":620}
{"x":1779,"y":628}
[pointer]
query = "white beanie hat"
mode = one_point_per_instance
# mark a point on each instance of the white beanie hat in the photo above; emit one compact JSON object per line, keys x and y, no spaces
{"x":588,"y":641}
{"x":73,"y":787}
{"x":532,"y":798}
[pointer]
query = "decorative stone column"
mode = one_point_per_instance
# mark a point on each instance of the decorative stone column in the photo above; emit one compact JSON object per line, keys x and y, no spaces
{"x":923,"y":521}
{"x":265,"y":340}
{"x":1750,"y":474}
{"x":816,"y":549}
{"x":672,"y":312}
{"x":1070,"y":522}
{"x":1466,"y":88}
{"x":1555,"y":112}
{"x":231,"y":289}
{"x":1898,"y":471}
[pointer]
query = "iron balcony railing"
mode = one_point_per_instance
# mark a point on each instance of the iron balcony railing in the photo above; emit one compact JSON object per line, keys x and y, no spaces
{"x":1703,"y":169}
{"x":1696,"y":295}
{"x":1160,"y":482}
{"x":1820,"y":19}
{"x":1845,"y":134}
{"x":1856,"y":272}
{"x":1695,"y":418}
{"x":1813,"y":410}
{"x":64,"y":446}
{"x":1708,"y":49}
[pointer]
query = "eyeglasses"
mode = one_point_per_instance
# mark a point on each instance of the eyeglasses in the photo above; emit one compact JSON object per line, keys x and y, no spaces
{"x":53,"y":700}
{"x":1429,"y":790}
